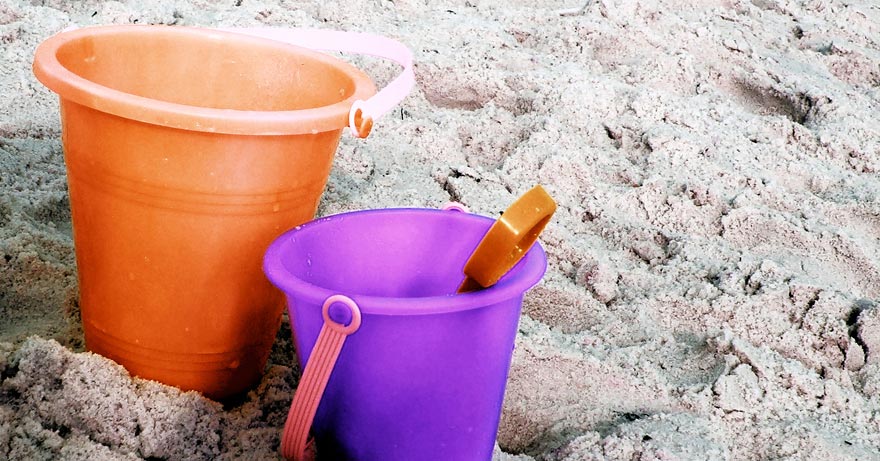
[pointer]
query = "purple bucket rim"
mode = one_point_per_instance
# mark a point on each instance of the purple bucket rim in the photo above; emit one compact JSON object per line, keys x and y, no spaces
{"x":525,"y":275}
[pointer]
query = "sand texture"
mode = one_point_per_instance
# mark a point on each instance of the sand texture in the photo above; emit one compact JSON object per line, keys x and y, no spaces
{"x":714,"y":264}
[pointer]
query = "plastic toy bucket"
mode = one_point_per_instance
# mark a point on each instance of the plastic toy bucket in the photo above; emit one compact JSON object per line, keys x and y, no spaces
{"x":423,"y":376}
{"x":188,"y":150}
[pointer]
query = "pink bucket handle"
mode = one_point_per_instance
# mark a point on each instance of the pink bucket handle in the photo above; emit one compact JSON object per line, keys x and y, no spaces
{"x":362,"y":114}
{"x":455,"y":206}
{"x":295,"y":438}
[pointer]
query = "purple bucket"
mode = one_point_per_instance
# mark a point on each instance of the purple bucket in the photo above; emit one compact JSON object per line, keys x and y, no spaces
{"x":423,"y":377}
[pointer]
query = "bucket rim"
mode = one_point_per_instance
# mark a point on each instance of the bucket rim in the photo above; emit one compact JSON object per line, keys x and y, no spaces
{"x":529,"y":272}
{"x":74,"y":88}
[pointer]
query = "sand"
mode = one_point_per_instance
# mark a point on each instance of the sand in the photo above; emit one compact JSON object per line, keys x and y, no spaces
{"x":714,"y":264}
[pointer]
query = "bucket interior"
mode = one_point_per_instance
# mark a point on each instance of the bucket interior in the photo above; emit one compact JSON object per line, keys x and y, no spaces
{"x":200,"y":70}
{"x":394,"y":254}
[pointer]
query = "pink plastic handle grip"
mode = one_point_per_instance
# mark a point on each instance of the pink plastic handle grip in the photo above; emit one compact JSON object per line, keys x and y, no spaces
{"x":351,"y":42}
{"x":294,"y":440}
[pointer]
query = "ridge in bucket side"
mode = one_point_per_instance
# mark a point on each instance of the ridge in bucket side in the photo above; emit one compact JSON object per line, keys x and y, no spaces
{"x":188,"y":151}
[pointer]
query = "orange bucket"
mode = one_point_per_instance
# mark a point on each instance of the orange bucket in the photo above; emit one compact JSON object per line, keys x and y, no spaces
{"x":188,"y":151}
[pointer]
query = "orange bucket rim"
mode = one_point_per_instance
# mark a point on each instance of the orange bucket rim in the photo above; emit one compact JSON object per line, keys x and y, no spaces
{"x":72,"y":87}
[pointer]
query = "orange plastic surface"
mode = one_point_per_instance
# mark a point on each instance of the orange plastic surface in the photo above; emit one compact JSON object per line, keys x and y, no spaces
{"x":508,"y":240}
{"x":187,"y":152}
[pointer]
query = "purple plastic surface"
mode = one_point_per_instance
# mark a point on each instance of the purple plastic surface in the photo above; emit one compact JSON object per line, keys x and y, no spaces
{"x":424,"y":376}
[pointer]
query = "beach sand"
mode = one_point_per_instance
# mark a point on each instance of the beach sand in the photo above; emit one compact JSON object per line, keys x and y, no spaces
{"x":714,"y":264}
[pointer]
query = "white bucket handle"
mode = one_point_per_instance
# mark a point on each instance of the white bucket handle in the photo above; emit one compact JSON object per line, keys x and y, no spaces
{"x":362,"y":113}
